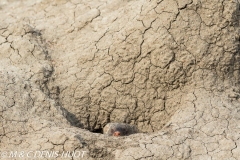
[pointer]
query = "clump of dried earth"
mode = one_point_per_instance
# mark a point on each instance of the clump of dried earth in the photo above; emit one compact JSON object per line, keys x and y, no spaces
{"x":169,"y":67}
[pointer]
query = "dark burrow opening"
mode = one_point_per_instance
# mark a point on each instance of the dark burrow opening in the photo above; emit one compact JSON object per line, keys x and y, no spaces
{"x":100,"y":130}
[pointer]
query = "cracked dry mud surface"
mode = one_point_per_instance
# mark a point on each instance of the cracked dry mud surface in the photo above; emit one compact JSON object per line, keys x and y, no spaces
{"x":170,"y":67}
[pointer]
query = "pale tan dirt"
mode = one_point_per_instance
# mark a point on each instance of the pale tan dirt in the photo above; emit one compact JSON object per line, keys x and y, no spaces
{"x":170,"y":67}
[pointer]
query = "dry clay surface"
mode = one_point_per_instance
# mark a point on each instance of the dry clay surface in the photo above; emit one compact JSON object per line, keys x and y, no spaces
{"x":169,"y":67}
